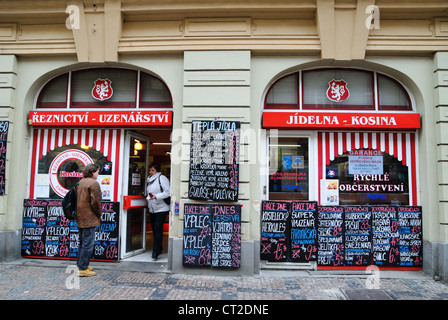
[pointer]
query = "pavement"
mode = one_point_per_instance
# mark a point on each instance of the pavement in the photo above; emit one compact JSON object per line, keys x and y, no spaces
{"x":40,"y":279}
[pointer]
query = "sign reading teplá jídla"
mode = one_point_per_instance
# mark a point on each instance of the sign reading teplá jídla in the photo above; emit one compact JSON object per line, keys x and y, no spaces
{"x":214,"y":160}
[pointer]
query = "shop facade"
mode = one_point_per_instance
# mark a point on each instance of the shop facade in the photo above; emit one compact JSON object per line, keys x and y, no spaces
{"x":323,"y":120}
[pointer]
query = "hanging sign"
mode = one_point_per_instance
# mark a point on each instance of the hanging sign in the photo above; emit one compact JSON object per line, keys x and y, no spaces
{"x":341,"y":120}
{"x":101,"y":119}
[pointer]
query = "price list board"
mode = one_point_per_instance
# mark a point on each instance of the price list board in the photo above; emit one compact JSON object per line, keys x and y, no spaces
{"x":385,"y":236}
{"x":212,"y":235}
{"x":214,"y":160}
{"x":4,"y":127}
{"x":47,"y":233}
{"x":410,"y":232}
{"x":358,"y":235}
{"x":33,"y":227}
{"x":303,"y":235}
{"x":275,"y":226}
{"x":226,"y":236}
{"x":342,"y":236}
{"x":330,"y":236}
{"x":197,"y":239}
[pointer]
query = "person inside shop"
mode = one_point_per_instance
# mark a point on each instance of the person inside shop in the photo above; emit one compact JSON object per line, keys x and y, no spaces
{"x":88,"y":216}
{"x":158,"y":195}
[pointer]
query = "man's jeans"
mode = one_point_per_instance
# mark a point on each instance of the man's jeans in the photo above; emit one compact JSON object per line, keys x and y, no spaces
{"x":85,"y":248}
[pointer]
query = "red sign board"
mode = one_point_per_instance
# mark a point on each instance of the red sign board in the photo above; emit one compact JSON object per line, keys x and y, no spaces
{"x":343,"y":120}
{"x":101,"y":119}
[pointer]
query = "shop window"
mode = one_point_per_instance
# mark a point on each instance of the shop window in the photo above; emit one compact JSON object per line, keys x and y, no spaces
{"x":289,"y":169}
{"x":105,"y":88}
{"x":154,"y":93}
{"x":393,"y":96}
{"x":62,"y":168}
{"x":367,"y":176}
{"x":54,"y":94}
{"x":337,"y":89}
{"x":284,"y":93}
{"x":119,"y":92}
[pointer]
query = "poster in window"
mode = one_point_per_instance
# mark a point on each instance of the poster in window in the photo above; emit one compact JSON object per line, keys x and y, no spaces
{"x":365,"y":162}
{"x":329,"y":192}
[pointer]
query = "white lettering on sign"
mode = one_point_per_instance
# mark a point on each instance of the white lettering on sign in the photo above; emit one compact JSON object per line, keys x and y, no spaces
{"x":99,"y":118}
{"x":296,"y":119}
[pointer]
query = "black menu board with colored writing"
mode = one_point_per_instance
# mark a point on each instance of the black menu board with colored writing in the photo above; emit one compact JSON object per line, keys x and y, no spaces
{"x":330,"y":236}
{"x":410,"y":232}
{"x":197,"y":235}
{"x":385,"y":236}
{"x":212,"y":235}
{"x":358,"y":235}
{"x":47,"y":233}
{"x":4,"y":126}
{"x":275,"y":221}
{"x":214,"y":160}
{"x":344,"y":236}
{"x":226,"y":236}
{"x":33,"y":227}
{"x":303,"y":234}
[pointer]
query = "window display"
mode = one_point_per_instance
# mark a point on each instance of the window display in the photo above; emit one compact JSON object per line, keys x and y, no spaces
{"x":369,"y":176}
{"x":288,"y":169}
{"x":60,"y":169}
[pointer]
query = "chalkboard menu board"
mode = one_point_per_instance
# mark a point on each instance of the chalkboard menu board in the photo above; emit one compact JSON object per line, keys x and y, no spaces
{"x":411,"y":241}
{"x":212,"y":235}
{"x":275,"y":216}
{"x":4,"y":126}
{"x":330,"y":233}
{"x":347,"y":236}
{"x":197,"y":235}
{"x":214,"y":160}
{"x":46,"y":232}
{"x":33,"y":227}
{"x":57,"y":231}
{"x":303,"y":235}
{"x":358,"y":239}
{"x":385,"y":236}
{"x":106,"y":234}
{"x":226,"y":236}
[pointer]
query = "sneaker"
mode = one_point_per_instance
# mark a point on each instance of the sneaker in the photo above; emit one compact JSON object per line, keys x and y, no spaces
{"x":86,"y":273}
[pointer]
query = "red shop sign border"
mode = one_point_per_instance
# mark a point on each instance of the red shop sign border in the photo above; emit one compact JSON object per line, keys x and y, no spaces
{"x":341,"y":120}
{"x":101,"y":119}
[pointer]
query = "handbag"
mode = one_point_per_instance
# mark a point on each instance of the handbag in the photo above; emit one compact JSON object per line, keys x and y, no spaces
{"x":167,"y":200}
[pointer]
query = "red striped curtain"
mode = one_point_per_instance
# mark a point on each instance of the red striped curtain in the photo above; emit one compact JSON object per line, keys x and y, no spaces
{"x":400,"y":145}
{"x":105,"y":141}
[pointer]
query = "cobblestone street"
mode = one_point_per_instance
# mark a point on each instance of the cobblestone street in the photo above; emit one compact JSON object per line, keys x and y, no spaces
{"x":30,"y":282}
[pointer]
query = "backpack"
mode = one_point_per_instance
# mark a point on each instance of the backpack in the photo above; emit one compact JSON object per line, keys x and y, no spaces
{"x":69,"y":203}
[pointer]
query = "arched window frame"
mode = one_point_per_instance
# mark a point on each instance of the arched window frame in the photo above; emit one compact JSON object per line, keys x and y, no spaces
{"x":375,"y":93}
{"x":138,"y":103}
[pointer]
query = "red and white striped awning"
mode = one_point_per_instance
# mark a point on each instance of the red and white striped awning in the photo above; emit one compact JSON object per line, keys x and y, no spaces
{"x":401,"y":145}
{"x":107,"y":142}
{"x":104,"y":141}
{"x":398,"y":145}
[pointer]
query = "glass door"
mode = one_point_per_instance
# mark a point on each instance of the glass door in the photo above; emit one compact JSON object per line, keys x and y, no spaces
{"x":291,"y":173}
{"x":133,"y":232}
